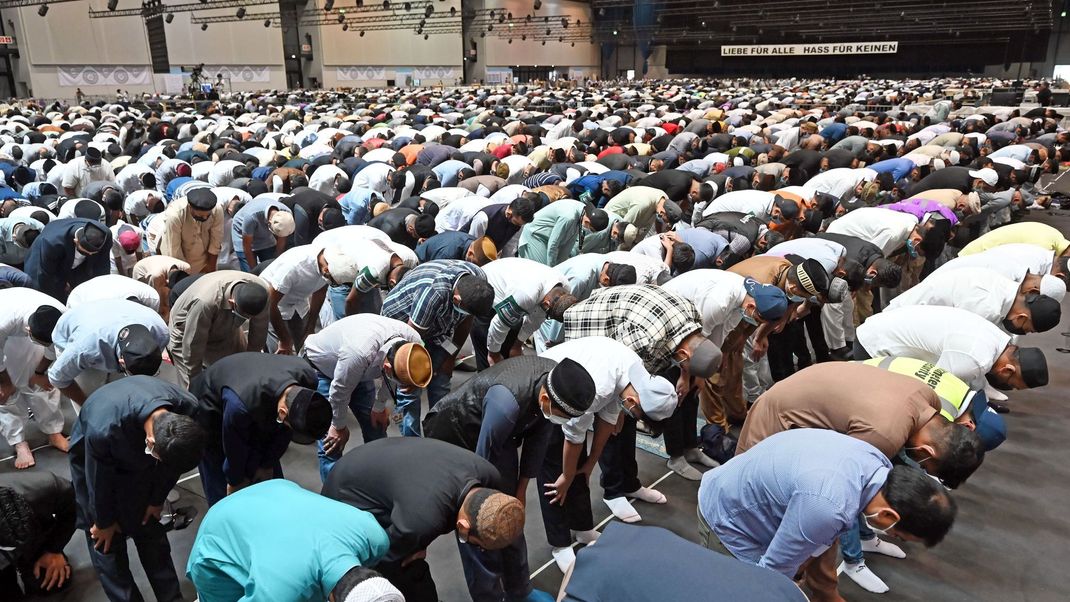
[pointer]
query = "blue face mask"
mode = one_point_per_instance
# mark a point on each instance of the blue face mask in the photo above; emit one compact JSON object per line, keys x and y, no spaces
{"x":460,"y":310}
{"x":748,"y":319}
{"x":912,"y":250}
{"x":796,"y":299}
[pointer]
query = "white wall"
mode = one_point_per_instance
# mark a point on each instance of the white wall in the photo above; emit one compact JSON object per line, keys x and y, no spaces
{"x":562,"y":55}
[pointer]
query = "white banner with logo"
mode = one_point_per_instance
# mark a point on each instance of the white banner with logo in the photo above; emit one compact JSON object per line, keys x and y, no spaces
{"x":361,"y":73}
{"x":239,"y":73}
{"x":775,"y":50}
{"x":433,"y":73}
{"x":105,"y":75}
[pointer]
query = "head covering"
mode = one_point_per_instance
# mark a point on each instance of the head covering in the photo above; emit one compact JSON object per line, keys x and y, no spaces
{"x":988,"y":175}
{"x":673,"y":211}
{"x":621,"y":273}
{"x":630,"y":234}
{"x":769,"y":300}
{"x":129,"y":240}
{"x":92,"y":238}
{"x":992,"y":429}
{"x":1044,"y":311}
{"x":837,"y":290}
{"x":973,"y":202}
{"x":571,"y":387}
{"x":139,"y":350}
{"x":309,"y":415}
{"x":342,"y":267}
{"x":705,"y":359}
{"x":412,"y":365}
{"x":281,"y":223}
{"x":657,"y":396}
{"x":812,"y":277}
{"x":203,"y":199}
{"x":1034,"y":366}
{"x":599,"y":218}
{"x":953,"y":157}
{"x":375,"y":589}
{"x":485,"y":248}
{"x":93,"y":155}
{"x":42,"y":322}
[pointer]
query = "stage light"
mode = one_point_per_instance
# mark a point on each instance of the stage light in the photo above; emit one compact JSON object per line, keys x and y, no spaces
{"x":345,"y":27}
{"x":341,"y":18}
{"x":538,"y":4}
{"x":170,"y":17}
{"x":328,"y":5}
{"x":362,"y":33}
{"x":113,"y":4}
{"x":241,"y":13}
{"x":42,"y":10}
{"x":267,"y":22}
{"x":204,"y":27}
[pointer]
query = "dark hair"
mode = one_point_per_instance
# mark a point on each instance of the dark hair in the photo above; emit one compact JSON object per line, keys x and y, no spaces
{"x":41,"y":216}
{"x":87,"y":208}
{"x":773,"y":238}
{"x":332,"y":218}
{"x":474,"y":503}
{"x":924,"y":507}
{"x":112,"y":200}
{"x":959,"y":453}
{"x":250,"y":298}
{"x":16,"y":519}
{"x":477,"y":295}
{"x":614,"y":187}
{"x":343,"y":185}
{"x":523,"y":208}
{"x":424,"y":225}
{"x":350,"y":580}
{"x":179,"y":440}
{"x":889,"y":273}
{"x":241,"y":171}
{"x":430,"y":208}
{"x":465,"y":173}
{"x":683,"y":257}
{"x":560,"y":300}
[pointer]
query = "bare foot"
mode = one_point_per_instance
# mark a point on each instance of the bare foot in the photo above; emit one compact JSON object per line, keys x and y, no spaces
{"x":59,"y":442}
{"x":23,"y":456}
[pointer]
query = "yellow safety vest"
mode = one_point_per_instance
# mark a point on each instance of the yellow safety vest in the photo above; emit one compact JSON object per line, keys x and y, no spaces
{"x":954,"y":394}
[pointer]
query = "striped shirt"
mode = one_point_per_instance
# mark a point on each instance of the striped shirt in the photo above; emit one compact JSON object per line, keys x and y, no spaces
{"x":425,"y":297}
{"x":649,"y":320}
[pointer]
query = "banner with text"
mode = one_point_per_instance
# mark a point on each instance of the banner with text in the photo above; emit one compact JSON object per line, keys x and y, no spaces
{"x":811,"y":49}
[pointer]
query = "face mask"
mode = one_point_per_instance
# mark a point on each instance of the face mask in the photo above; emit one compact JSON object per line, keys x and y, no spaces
{"x":554,"y":419}
{"x":884,"y":531}
{"x":1010,"y":327}
{"x":912,"y":250}
{"x":796,"y":299}
{"x":748,"y":319}
{"x":460,"y":310}
{"x":905,"y":458}
{"x":148,"y":448}
{"x":869,"y":280}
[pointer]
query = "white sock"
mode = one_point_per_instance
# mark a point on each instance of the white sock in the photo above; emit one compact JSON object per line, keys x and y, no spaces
{"x":697,"y":456}
{"x":648,"y":495}
{"x":586,"y":537}
{"x":623,"y":509}
{"x":863,"y":576}
{"x":680,"y":466}
{"x":564,"y":557}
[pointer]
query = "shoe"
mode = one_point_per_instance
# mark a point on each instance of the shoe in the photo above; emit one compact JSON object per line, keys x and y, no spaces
{"x":680,"y":466}
{"x":865,"y":578}
{"x":586,"y":537}
{"x":623,"y":509}
{"x":564,"y":557}
{"x":843,"y":353}
{"x":648,"y":495}
{"x":695,"y":456}
{"x":879,"y":546}
{"x":999,"y":408}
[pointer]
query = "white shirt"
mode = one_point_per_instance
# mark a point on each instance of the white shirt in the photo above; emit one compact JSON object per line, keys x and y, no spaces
{"x":323,"y":179}
{"x":136,"y":204}
{"x":608,"y":362}
{"x":373,"y":260}
{"x":444,"y":196}
{"x":1010,"y":260}
{"x":113,"y":286}
{"x":887,"y":229}
{"x":78,"y":174}
{"x":478,"y":223}
{"x":839,"y":181}
{"x":351,"y":351}
{"x":647,"y":270}
{"x":128,"y":178}
{"x":519,"y":286}
{"x":341,"y":235}
{"x":717,"y":296}
{"x":456,"y":216}
{"x":650,"y":247}
{"x":826,"y":252}
{"x":509,"y":193}
{"x":16,"y":306}
{"x":754,"y":202}
{"x":296,"y":275}
{"x":956,"y":340}
{"x":373,"y":176}
{"x":978,"y":290}
{"x":222,"y":173}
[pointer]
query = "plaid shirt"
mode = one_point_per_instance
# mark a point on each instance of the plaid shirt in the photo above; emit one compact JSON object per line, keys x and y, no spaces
{"x":425,"y":296}
{"x":646,"y":318}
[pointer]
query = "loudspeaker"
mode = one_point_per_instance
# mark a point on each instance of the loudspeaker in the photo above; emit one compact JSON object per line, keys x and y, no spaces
{"x":42,"y":10}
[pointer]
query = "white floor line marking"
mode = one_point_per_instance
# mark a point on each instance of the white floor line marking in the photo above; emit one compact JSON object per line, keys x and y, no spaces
{"x":39,"y":447}
{"x":188,"y":478}
{"x":597,"y":527}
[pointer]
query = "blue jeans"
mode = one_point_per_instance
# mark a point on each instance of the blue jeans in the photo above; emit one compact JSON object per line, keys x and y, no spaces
{"x":360,"y":403}
{"x":851,"y":541}
{"x":262,"y":255}
{"x":408,"y":404}
{"x":371,"y":303}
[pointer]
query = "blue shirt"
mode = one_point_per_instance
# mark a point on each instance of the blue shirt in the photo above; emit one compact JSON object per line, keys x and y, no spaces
{"x":357,"y":205}
{"x":834,"y":132}
{"x":252,"y":220}
{"x":88,"y":337}
{"x":898,"y":167}
{"x":445,"y":245}
{"x":248,"y":446}
{"x":276,"y":541}
{"x":425,"y":297}
{"x":789,"y":497}
{"x":446,"y":172}
{"x":706,"y":244}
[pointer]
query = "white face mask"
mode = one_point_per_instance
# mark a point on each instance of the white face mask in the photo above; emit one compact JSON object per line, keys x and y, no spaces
{"x":884,"y":531}
{"x":554,"y":419}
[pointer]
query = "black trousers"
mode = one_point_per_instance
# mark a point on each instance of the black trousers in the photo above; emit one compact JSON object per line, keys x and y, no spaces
{"x":859,"y":353}
{"x":414,"y":580}
{"x":781,"y":352}
{"x":575,"y":513}
{"x":480,"y":328}
{"x":816,"y":332}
